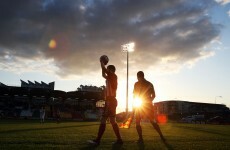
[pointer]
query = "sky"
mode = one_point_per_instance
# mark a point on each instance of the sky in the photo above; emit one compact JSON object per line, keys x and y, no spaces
{"x":182,"y":46}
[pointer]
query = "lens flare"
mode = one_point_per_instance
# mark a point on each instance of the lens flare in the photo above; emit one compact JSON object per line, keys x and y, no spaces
{"x":52,"y":44}
{"x":137,"y":102}
{"x":162,"y":118}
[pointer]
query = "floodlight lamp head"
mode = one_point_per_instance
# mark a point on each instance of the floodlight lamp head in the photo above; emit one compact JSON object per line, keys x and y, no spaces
{"x":129,"y":47}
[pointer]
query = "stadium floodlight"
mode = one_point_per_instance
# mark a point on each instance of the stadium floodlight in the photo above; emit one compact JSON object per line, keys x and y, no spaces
{"x":129,"y":47}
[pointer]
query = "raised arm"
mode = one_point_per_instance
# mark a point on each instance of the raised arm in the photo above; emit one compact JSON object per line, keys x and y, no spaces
{"x":104,"y":70}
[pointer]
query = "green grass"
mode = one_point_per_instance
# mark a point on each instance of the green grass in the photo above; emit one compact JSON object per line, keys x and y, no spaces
{"x":27,"y":134}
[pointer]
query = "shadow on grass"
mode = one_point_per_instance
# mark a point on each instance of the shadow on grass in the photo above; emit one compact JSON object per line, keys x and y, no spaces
{"x":167,"y":145}
{"x":91,"y":147}
{"x":141,"y":146}
{"x":116,"y":147}
{"x":88,"y":147}
{"x":50,"y":128}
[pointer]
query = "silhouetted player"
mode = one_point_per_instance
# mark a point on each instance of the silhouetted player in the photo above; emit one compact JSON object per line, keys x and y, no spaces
{"x":144,"y":90}
{"x":110,"y":105}
{"x":58,"y":115}
{"x":42,"y":114}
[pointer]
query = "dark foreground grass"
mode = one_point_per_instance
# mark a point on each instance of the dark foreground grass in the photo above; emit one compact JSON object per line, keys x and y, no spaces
{"x":27,"y":134}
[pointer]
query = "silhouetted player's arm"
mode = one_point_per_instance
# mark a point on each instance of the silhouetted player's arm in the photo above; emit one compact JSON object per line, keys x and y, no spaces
{"x":104,"y":70}
{"x":153,"y":95}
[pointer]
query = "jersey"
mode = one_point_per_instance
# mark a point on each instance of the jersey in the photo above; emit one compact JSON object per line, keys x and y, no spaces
{"x":111,"y":85}
{"x":145,"y":90}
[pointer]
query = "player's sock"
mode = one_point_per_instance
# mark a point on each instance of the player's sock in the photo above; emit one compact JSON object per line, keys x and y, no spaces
{"x":139,"y":131}
{"x":157,"y":128}
{"x":101,"y":131}
{"x":116,"y":131}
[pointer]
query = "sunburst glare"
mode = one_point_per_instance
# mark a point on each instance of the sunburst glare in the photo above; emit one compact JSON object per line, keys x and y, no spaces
{"x":137,"y":102}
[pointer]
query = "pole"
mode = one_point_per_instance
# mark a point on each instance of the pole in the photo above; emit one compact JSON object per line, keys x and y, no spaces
{"x":127,"y":48}
{"x":127,"y":84}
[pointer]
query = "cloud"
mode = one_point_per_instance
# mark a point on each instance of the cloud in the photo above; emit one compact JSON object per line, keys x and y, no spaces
{"x":223,"y":2}
{"x":84,"y":30}
{"x":11,"y":62}
{"x":228,"y":13}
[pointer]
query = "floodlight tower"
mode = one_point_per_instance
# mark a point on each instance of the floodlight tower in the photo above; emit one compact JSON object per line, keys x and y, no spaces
{"x":129,"y":47}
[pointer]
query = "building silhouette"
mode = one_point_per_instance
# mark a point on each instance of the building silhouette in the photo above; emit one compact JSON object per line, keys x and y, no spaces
{"x":31,"y":96}
{"x":177,"y":109}
{"x":86,"y":103}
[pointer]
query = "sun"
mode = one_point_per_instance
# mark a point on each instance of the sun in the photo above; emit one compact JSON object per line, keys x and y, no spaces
{"x":137,"y":102}
{"x":122,"y":97}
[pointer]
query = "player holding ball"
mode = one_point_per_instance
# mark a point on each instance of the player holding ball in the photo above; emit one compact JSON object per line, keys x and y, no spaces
{"x":110,"y":103}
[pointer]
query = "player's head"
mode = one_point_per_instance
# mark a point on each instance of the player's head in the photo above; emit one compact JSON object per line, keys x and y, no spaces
{"x":111,"y":68}
{"x":140,"y":75}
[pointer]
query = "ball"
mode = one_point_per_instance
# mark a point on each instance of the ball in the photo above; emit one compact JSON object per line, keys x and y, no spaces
{"x":104,"y":59}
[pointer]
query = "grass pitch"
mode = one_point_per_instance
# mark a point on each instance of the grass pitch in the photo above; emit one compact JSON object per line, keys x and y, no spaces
{"x":27,"y":134}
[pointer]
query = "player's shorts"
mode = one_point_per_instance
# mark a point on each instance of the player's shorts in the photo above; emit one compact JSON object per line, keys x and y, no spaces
{"x":110,"y":107}
{"x":145,"y":111}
